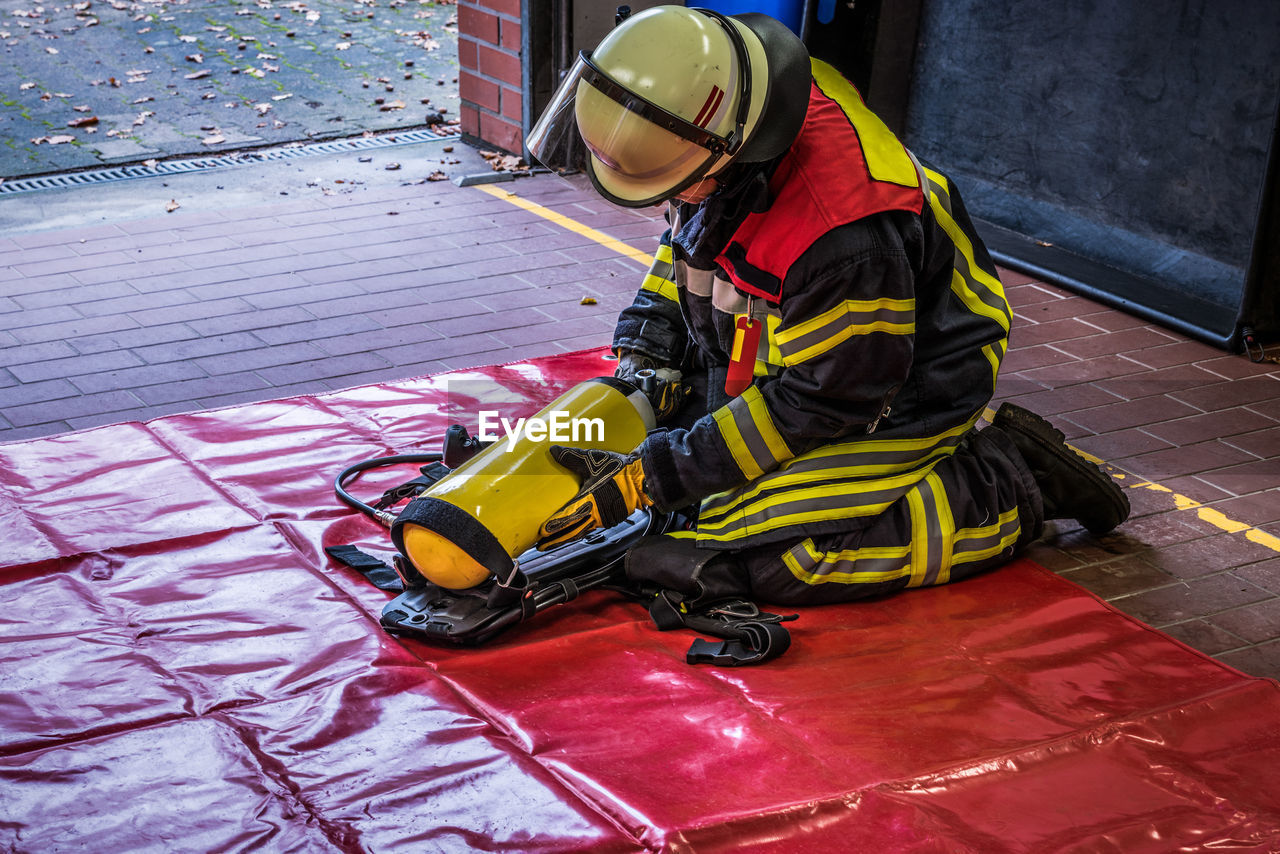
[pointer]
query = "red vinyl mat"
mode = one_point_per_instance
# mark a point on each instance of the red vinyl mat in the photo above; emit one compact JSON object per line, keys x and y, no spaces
{"x":182,"y":669}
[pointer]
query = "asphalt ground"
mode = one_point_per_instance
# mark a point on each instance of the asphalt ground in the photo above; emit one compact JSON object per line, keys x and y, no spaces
{"x":94,"y":83}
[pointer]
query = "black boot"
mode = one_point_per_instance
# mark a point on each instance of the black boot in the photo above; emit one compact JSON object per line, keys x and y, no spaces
{"x":1071,"y":486}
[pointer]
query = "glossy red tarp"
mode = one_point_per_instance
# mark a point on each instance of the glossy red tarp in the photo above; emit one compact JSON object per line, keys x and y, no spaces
{"x":184,"y":670}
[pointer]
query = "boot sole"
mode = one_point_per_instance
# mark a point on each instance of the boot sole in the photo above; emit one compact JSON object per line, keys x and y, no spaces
{"x":1051,"y":439}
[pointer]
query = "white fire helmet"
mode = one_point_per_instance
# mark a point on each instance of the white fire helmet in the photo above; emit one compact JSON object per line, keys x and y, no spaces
{"x":673,"y":95}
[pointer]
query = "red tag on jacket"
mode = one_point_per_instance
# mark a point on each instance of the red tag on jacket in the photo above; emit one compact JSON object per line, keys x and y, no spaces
{"x":742,"y":361}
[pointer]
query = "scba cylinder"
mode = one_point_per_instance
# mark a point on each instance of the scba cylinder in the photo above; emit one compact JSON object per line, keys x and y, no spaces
{"x":478,"y":518}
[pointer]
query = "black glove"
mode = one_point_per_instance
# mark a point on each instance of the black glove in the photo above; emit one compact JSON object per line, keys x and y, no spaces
{"x":612,"y":489}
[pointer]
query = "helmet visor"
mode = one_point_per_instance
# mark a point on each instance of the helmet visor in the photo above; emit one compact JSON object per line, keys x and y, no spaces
{"x":637,"y":153}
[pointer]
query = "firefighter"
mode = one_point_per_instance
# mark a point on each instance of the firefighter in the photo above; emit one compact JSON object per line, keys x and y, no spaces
{"x":825,"y":323}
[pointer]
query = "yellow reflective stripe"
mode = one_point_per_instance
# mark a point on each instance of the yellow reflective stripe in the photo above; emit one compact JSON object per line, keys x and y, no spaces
{"x":764,"y":425}
{"x":820,"y":333}
{"x":823,"y":567}
{"x":903,"y":455}
{"x":967,"y":275}
{"x":737,"y":445}
{"x":976,"y":544}
{"x":887,"y":159}
{"x":802,"y":506}
{"x":748,"y":430}
{"x":993,"y":358}
{"x":659,"y":277}
{"x":919,"y":543}
{"x":945,"y":530}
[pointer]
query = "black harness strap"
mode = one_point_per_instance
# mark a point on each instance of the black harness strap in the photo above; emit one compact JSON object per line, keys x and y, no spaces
{"x":747,"y":634}
{"x":379,"y":574}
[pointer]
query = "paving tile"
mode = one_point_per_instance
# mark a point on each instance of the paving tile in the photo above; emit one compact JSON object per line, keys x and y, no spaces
{"x":1186,"y":600}
{"x":1211,"y":456}
{"x":1121,"y":577}
{"x":1054,"y":402}
{"x":1109,"y":415}
{"x":252,"y":321}
{"x":1204,"y":636}
{"x":203,"y":387}
{"x":1022,"y":290}
{"x":1261,"y":443}
{"x":234,"y":361}
{"x":74,"y":294}
{"x":1226,"y":395}
{"x":74,"y":366}
{"x":1264,"y":573}
{"x":70,"y":407}
{"x":1207,"y":555}
{"x":12,"y":354}
{"x":76,"y":328}
{"x":1074,"y":371}
{"x":1262,"y":660}
{"x":1147,"y":383}
{"x":130,"y":272}
{"x":1197,"y":489}
{"x":309,"y":330}
{"x":1256,"y":623}
{"x":336,"y":366}
{"x":1270,"y":407}
{"x":1254,"y":509}
{"x":1162,"y":528}
{"x":136,"y":377}
{"x":1105,"y":343}
{"x":21,"y":395}
{"x":1235,"y":366}
{"x":19,"y":320}
{"x":1179,"y":352}
{"x":1252,"y":477}
{"x":1120,"y":444}
{"x":1220,"y":423}
{"x":1038,"y":356}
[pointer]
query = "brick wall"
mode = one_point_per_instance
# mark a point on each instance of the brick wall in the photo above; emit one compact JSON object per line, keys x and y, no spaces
{"x":490,"y":81}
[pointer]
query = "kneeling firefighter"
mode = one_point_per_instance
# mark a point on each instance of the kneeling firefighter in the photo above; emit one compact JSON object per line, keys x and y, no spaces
{"x":827,"y":321}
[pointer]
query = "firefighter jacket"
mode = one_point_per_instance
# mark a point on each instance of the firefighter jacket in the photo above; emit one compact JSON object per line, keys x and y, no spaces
{"x":885,"y":319}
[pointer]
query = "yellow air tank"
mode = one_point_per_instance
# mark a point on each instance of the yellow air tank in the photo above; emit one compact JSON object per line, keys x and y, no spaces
{"x":478,"y":518}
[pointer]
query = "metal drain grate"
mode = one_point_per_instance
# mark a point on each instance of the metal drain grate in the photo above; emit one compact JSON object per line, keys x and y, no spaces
{"x":201,"y":164}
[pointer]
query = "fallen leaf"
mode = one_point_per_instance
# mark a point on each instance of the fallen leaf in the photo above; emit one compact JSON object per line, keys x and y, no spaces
{"x":172,"y":206}
{"x":262,"y":108}
{"x":391,"y":167}
{"x":281,"y":97}
{"x":142,"y":100}
{"x":197,"y":58}
{"x":392,"y":105}
{"x":83,"y":122}
{"x":82,"y":108}
{"x":150,"y":164}
{"x":342,"y":46}
{"x":51,"y":50}
{"x":215,"y":139}
{"x":189,"y":39}
{"x":587,"y":301}
{"x":197,"y":75}
{"x":437,"y":176}
{"x":25,"y":86}
{"x":54,"y":140}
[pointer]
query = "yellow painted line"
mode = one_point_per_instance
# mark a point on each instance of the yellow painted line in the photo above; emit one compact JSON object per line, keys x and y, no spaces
{"x":565,"y":222}
{"x":1206,"y":514}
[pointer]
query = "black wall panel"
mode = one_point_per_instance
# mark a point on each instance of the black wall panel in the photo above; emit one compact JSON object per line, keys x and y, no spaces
{"x":1124,"y":142}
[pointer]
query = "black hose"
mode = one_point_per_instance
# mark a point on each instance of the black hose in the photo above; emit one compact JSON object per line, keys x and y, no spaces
{"x":339,"y":484}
